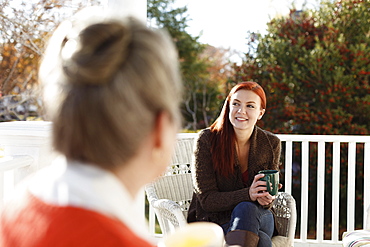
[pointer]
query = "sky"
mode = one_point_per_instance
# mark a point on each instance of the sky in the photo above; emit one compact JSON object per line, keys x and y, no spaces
{"x":225,"y":23}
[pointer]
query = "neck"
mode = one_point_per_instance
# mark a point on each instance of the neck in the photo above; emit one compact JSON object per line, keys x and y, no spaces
{"x":133,"y":176}
{"x":129,"y":180}
{"x":243,"y":136}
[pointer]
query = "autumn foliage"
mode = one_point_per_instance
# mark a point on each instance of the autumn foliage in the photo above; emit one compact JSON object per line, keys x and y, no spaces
{"x":315,"y":67}
{"x":18,"y":68}
{"x":24,"y":30}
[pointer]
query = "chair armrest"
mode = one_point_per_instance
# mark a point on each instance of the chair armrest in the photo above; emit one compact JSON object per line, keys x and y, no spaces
{"x":285,"y":212}
{"x":169,"y":215}
{"x":170,"y":211}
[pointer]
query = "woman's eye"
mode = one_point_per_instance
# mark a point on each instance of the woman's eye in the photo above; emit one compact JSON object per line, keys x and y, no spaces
{"x":235,"y":104}
{"x":250,"y":106}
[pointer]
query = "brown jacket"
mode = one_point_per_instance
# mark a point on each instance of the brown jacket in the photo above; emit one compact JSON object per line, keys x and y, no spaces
{"x":216,"y":196}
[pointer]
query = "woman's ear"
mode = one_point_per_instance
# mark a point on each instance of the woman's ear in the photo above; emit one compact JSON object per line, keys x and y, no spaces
{"x":164,"y":134}
{"x":262,"y":112}
{"x":163,"y":130}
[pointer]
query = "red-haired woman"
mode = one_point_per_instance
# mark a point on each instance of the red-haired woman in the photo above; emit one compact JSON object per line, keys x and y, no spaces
{"x":228,"y":157}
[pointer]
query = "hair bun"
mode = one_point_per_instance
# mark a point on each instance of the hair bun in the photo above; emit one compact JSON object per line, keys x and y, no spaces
{"x":95,"y":54}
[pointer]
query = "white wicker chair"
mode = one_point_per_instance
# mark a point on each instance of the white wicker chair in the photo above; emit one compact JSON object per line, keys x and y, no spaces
{"x":358,"y":237}
{"x":171,"y":194}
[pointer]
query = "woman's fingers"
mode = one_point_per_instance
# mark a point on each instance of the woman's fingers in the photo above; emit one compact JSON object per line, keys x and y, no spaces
{"x":265,"y":200}
{"x":258,"y":188}
{"x":257,"y":183}
{"x":258,"y":177}
{"x":258,"y":193}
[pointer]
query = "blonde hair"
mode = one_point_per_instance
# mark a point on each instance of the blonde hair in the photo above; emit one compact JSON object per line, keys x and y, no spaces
{"x":105,"y":83}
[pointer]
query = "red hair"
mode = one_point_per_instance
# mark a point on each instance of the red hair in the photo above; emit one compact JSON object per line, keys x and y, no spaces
{"x":223,"y":138}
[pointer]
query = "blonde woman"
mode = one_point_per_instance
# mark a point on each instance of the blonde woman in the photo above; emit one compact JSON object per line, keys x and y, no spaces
{"x":112,"y":90}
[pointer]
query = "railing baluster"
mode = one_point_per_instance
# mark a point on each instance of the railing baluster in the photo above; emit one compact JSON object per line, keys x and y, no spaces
{"x":335,"y":191}
{"x":288,"y":166}
{"x":304,"y":194}
{"x":351,"y":189}
{"x":366,"y":181}
{"x":320,"y":190}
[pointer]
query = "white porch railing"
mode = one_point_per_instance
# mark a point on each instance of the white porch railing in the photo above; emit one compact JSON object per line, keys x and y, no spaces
{"x":354,"y":156}
{"x":8,"y":166}
{"x":27,"y":148}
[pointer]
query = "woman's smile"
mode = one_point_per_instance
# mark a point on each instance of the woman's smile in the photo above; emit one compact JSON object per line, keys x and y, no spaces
{"x":241,"y":119}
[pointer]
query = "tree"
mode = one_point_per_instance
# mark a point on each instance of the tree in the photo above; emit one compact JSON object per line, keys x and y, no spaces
{"x":314,"y":67}
{"x":21,"y":46}
{"x":24,"y":29}
{"x":200,"y":80}
{"x":213,"y":89}
{"x":174,"y":20}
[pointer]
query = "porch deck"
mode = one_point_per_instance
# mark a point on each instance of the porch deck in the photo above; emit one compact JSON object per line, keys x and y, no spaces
{"x":328,"y":175}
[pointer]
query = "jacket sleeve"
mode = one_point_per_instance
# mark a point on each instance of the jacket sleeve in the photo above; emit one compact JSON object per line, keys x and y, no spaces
{"x":264,"y":153}
{"x":205,"y":181}
{"x":276,"y":149}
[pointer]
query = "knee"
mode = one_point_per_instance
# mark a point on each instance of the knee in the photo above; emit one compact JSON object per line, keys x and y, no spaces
{"x":243,"y":207}
{"x":249,"y":207}
{"x":245,"y":217}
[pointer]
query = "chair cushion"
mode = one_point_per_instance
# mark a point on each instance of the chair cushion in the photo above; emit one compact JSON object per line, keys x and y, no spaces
{"x":356,"y":238}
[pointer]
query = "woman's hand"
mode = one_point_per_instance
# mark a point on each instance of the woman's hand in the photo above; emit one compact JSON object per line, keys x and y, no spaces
{"x":268,"y":199}
{"x":258,"y":191}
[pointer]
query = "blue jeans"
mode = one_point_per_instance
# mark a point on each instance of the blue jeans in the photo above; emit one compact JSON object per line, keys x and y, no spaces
{"x":252,"y":217}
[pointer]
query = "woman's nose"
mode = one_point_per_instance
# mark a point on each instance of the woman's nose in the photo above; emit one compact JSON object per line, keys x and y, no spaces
{"x":241,"y":110}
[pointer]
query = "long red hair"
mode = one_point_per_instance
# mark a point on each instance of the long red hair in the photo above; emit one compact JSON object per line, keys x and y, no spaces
{"x":223,"y":138}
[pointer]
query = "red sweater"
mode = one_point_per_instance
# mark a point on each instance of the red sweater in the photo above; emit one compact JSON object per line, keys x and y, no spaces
{"x":36,"y":223}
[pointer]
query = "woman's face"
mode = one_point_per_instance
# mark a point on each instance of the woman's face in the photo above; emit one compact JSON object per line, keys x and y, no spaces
{"x":245,"y":109}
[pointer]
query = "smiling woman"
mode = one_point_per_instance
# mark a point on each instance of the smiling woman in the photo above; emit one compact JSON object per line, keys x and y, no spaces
{"x":245,"y":109}
{"x":228,"y":157}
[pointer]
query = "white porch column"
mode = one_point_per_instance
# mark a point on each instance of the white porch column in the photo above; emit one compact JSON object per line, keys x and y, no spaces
{"x":136,"y":8}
